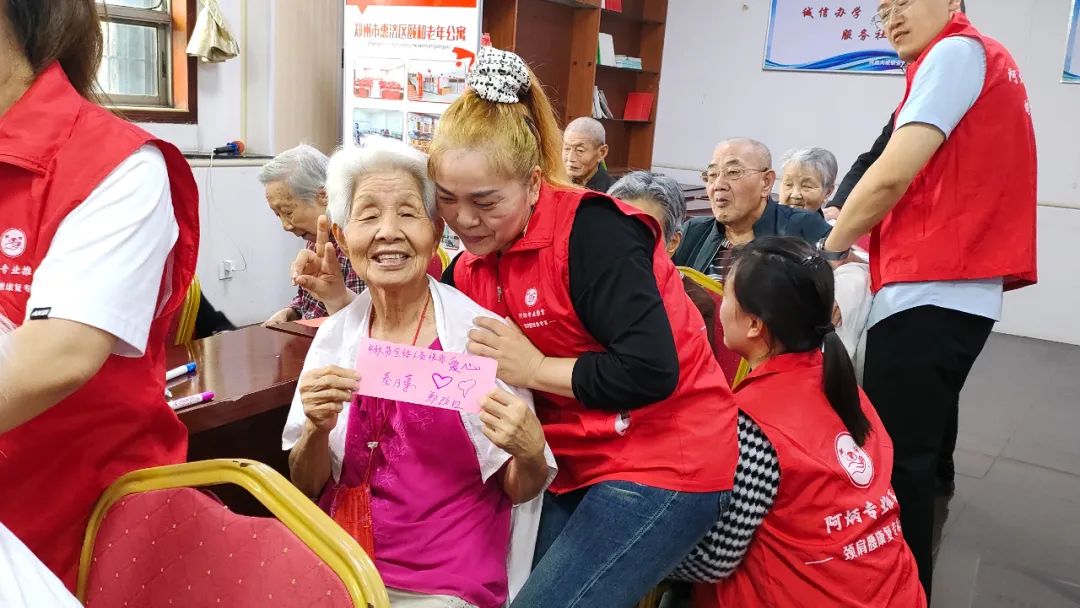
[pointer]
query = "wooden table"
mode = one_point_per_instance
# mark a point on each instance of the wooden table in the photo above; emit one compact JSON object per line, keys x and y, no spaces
{"x":253,"y":373}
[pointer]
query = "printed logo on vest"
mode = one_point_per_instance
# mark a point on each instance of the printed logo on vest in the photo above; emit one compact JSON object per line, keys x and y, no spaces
{"x":13,"y":242}
{"x":622,"y":423}
{"x":40,"y":314}
{"x":531,"y":297}
{"x":855,"y":460}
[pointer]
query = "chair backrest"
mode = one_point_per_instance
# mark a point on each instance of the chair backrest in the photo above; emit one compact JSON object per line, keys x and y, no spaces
{"x":444,"y":257}
{"x":189,"y":311}
{"x":734,"y":367}
{"x":154,"y":537}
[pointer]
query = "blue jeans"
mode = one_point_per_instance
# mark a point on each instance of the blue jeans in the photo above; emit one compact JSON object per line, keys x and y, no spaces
{"x":609,"y":544}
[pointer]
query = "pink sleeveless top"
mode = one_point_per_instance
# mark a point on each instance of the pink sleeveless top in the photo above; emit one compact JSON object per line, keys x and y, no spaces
{"x":439,"y":529}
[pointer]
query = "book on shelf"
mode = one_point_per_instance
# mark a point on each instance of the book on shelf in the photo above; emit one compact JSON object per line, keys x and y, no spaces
{"x":605,"y":107}
{"x":601,"y":109}
{"x":605,"y":51}
{"x":611,"y":5}
{"x":628,"y":63}
{"x":639,"y":106}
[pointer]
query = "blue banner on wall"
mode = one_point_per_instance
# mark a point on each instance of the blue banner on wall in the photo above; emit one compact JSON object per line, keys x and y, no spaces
{"x":820,"y":36}
{"x":1072,"y":51}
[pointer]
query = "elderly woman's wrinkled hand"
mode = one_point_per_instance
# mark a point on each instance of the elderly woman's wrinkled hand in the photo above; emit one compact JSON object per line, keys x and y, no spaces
{"x":518,"y":358}
{"x":319,"y":271}
{"x":324,"y":391}
{"x":511,"y":425}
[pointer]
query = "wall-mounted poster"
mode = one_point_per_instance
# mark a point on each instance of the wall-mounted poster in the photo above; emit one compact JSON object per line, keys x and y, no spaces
{"x":819,"y":36}
{"x":1072,"y":52}
{"x":405,"y":63}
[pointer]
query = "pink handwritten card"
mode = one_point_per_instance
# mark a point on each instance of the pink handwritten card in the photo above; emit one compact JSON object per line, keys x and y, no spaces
{"x":453,"y":381}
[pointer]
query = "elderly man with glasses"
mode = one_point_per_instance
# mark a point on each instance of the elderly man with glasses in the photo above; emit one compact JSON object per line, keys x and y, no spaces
{"x":739,"y":181}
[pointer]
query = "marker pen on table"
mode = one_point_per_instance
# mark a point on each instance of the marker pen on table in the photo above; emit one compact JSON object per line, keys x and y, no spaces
{"x":183,"y":370}
{"x":192,"y":400}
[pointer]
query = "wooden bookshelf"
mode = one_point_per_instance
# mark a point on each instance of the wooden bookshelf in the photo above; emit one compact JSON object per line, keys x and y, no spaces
{"x":559,"y":40}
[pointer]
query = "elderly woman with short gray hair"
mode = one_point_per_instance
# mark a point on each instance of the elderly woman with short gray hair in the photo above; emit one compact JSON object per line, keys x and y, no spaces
{"x":294,"y":182}
{"x":661,"y":197}
{"x":434,"y":488}
{"x":808,"y":178}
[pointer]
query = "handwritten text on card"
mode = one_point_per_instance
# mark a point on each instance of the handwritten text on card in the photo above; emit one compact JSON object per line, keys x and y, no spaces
{"x":453,"y":381}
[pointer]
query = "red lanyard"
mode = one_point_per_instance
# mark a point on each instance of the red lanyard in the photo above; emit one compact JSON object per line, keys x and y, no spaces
{"x":376,"y":440}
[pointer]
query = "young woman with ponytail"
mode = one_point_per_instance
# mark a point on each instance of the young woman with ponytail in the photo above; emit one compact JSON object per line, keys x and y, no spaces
{"x":634,"y":406}
{"x":813,"y":520}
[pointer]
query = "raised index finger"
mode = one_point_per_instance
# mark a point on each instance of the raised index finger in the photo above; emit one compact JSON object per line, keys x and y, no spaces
{"x":322,"y":233}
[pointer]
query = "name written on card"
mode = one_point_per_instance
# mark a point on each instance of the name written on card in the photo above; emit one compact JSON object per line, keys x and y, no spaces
{"x":453,"y":381}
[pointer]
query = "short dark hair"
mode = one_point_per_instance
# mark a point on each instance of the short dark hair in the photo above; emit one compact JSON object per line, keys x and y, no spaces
{"x":68,"y":31}
{"x":784,"y":282}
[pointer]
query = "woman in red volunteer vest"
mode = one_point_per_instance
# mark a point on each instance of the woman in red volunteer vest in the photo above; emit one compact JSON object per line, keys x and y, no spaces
{"x":633,"y":404}
{"x":98,"y":240}
{"x":951,"y":208}
{"x":812,"y":491}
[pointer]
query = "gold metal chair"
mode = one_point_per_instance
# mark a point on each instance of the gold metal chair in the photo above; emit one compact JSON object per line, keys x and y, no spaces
{"x":145,"y":513}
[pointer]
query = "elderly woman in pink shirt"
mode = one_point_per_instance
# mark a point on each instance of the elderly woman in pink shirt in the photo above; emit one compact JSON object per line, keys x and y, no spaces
{"x":430,"y":493}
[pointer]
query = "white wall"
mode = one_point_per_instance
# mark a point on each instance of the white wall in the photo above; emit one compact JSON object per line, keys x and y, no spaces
{"x":235,"y":102}
{"x":238,"y":226}
{"x":713,"y":87}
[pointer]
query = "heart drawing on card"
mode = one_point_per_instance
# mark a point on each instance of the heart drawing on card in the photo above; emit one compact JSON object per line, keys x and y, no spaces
{"x":440,"y":380}
{"x":466,"y":386}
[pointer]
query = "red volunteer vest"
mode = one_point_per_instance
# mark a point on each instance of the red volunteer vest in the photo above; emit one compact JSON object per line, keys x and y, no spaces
{"x":832,"y":537}
{"x":55,"y":148}
{"x":970,"y":213}
{"x":686,"y":442}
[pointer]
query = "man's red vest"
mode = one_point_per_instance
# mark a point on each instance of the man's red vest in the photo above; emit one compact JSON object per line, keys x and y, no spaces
{"x":832,"y":537}
{"x":970,"y":213}
{"x":55,"y":148}
{"x":687,"y":442}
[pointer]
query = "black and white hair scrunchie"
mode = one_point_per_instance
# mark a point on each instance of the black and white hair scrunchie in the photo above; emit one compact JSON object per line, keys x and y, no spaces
{"x":499,"y":76}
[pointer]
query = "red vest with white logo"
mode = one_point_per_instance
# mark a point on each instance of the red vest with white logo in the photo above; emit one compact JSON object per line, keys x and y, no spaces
{"x":55,"y":148}
{"x":832,"y":537}
{"x":686,"y":442}
{"x":970,"y":212}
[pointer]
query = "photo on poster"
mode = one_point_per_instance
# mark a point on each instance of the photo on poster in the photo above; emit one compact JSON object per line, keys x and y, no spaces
{"x":820,"y":36}
{"x":375,"y":78}
{"x":451,"y":242}
{"x":436,"y":81}
{"x":420,"y":129}
{"x":1071,"y":72}
{"x":405,"y":62}
{"x":384,"y":123}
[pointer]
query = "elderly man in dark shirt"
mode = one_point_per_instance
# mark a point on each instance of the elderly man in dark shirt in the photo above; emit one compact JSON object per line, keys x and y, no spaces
{"x":584,"y":151}
{"x":739,"y":181}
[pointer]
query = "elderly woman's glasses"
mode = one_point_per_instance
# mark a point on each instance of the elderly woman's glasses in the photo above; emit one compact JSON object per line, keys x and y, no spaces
{"x":731,"y":174}
{"x":885,"y":15}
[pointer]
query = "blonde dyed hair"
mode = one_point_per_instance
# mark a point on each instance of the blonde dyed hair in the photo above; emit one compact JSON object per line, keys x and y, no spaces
{"x":515,"y":137}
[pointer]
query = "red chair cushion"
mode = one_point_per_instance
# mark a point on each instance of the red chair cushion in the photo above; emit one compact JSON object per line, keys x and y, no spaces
{"x":182,"y":548}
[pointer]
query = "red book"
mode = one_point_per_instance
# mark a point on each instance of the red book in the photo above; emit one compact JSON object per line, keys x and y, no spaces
{"x":639,"y":107}
{"x":613,"y":5}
